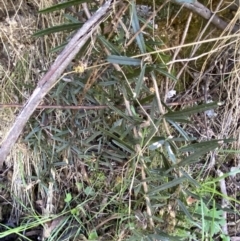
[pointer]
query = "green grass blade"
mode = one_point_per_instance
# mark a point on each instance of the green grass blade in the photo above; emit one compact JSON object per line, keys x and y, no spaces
{"x":184,"y":209}
{"x":136,"y":28}
{"x":140,"y":82}
{"x":180,"y":130}
{"x":113,"y":49}
{"x":168,"y":185}
{"x":114,"y":59}
{"x":63,"y":5}
{"x":60,"y":28}
{"x":196,"y":146}
{"x":195,"y":157}
{"x":189,"y":111}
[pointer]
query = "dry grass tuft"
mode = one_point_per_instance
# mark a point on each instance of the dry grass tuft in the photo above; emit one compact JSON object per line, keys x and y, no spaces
{"x":23,"y":59}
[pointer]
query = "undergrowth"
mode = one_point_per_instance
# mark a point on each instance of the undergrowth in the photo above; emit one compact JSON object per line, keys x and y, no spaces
{"x":124,"y":164}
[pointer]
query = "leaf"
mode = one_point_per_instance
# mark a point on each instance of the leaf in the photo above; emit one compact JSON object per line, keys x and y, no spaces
{"x":115,"y":59}
{"x":170,"y":152}
{"x":184,"y":209}
{"x":195,"y":157}
{"x":59,"y":28}
{"x":201,"y":145}
{"x":123,"y":146}
{"x":167,"y":74}
{"x":119,"y":141}
{"x":167,"y":185}
{"x":89,"y":191}
{"x":136,"y":28}
{"x":93,"y":235}
{"x":155,"y":145}
{"x":190,"y":179}
{"x":180,"y":130}
{"x":63,"y":5}
{"x":189,"y":111}
{"x":140,"y":82}
{"x":113,"y":49}
{"x":68,"y":198}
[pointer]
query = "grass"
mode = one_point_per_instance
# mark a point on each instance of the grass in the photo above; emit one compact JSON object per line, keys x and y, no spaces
{"x":137,"y":169}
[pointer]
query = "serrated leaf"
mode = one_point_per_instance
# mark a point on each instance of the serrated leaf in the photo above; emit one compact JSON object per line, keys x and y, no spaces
{"x":115,"y":59}
{"x":63,"y":5}
{"x":136,"y":28}
{"x":60,"y":28}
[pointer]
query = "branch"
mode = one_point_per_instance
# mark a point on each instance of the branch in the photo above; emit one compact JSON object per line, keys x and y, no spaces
{"x":204,"y":12}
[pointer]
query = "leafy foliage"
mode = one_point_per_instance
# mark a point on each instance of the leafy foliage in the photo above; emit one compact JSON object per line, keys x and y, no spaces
{"x":133,"y":154}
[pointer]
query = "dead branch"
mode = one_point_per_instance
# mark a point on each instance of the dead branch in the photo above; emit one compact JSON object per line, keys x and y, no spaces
{"x":206,"y":13}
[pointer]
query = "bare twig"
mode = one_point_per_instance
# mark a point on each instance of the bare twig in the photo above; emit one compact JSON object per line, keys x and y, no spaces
{"x":52,"y":77}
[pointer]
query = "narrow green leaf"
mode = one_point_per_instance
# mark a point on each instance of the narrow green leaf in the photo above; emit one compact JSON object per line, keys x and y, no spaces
{"x":155,"y":145}
{"x":167,"y":185}
{"x":190,"y":179}
{"x":123,"y":145}
{"x":201,"y":145}
{"x":59,"y":48}
{"x":189,"y":111}
{"x":164,"y":72}
{"x":60,"y":28}
{"x":136,"y":28}
{"x":113,"y":49}
{"x":184,"y":209}
{"x":140,"y":81}
{"x":195,"y":157}
{"x":149,"y":98}
{"x":63,"y":5}
{"x":123,"y":60}
{"x":130,"y":149}
{"x":119,"y":112}
{"x":179,"y":129}
{"x":71,"y":19}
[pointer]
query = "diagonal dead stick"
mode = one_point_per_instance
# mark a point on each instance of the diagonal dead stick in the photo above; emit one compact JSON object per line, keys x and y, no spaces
{"x":52,"y":76}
